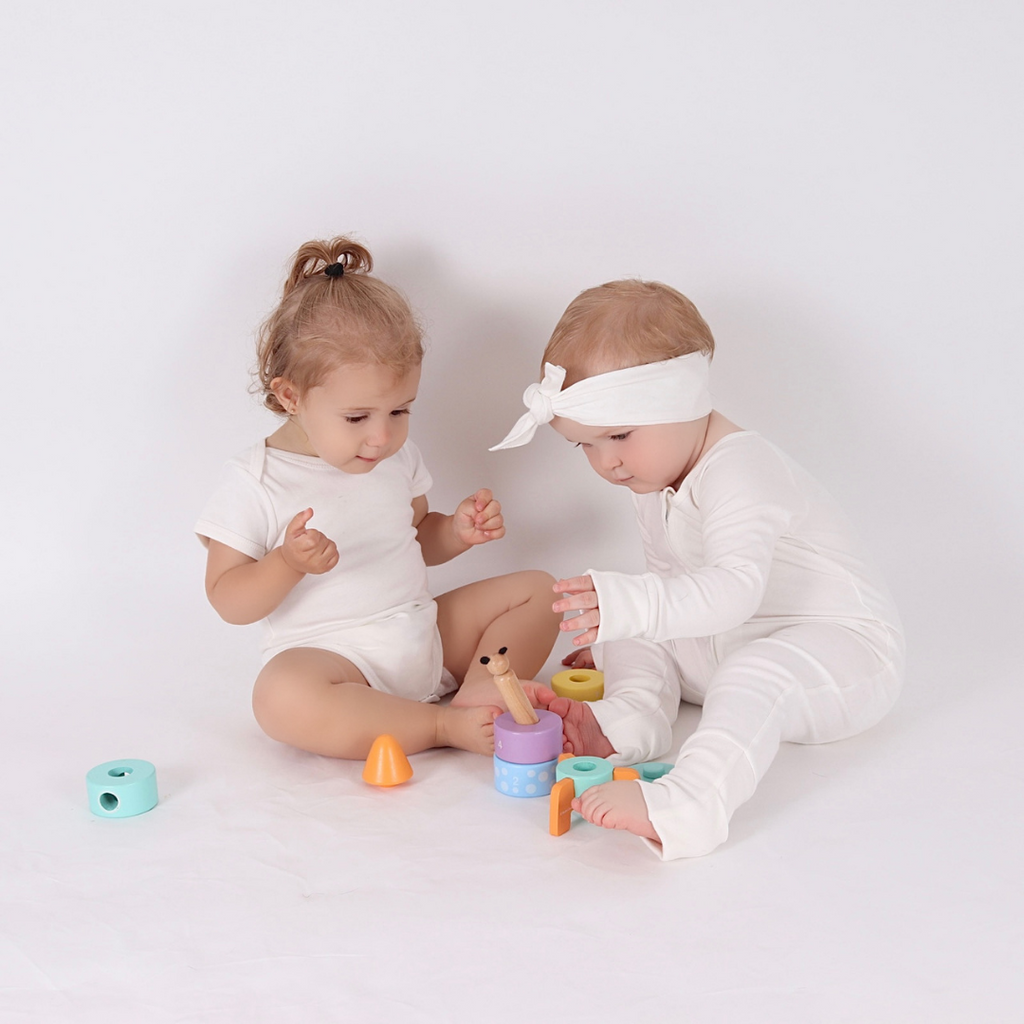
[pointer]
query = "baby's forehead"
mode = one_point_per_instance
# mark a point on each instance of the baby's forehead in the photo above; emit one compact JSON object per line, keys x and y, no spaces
{"x":597,"y":354}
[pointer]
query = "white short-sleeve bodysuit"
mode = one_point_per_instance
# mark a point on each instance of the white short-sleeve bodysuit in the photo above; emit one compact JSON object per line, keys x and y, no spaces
{"x":373,"y":607}
{"x":759,"y":604}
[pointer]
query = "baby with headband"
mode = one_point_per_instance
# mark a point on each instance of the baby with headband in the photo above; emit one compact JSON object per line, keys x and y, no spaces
{"x":323,"y":532}
{"x":758,"y":603}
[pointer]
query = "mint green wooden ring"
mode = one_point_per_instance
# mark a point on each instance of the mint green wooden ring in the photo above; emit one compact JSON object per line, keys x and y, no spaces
{"x":651,"y":770}
{"x":584,"y":772}
{"x":121,"y":789}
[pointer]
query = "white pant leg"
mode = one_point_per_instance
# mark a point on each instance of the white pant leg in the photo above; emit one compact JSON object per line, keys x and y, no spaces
{"x":641,"y":702}
{"x":811,"y":683}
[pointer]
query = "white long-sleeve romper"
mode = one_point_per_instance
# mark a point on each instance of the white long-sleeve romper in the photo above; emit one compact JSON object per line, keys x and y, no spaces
{"x":759,"y":604}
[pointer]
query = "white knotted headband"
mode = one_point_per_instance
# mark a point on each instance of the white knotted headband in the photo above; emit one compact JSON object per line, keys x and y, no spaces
{"x":672,"y":391}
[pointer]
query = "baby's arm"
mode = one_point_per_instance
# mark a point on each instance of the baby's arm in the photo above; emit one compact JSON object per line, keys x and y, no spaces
{"x":477,"y":520}
{"x":743,"y":510}
{"x":244,"y":589}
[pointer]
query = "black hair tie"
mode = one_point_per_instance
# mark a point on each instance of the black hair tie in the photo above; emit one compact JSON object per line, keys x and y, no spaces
{"x":334,"y":269}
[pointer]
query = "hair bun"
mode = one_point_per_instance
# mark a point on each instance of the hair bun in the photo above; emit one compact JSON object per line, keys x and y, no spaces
{"x":353,"y":257}
{"x":334,"y":258}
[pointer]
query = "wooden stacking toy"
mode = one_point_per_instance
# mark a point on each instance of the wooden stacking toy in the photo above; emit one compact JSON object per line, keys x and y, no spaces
{"x":527,"y":742}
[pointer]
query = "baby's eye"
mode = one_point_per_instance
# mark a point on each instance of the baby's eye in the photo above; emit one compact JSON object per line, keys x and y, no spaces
{"x":355,"y":419}
{"x":619,"y":437}
{"x":400,"y":412}
{"x":581,"y":444}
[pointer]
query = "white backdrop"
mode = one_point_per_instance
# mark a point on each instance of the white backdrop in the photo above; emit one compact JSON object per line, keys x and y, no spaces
{"x":836,"y":186}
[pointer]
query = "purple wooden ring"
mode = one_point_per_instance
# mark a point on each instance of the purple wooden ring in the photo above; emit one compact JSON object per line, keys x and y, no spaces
{"x":528,"y":744}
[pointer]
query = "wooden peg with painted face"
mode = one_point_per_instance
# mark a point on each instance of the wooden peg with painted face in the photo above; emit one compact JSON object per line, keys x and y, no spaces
{"x":511,"y":690}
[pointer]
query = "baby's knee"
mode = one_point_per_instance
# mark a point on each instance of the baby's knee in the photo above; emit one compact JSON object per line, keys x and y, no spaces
{"x":539,"y":582}
{"x":272,"y":705}
{"x":537,"y":587}
{"x":283,"y":706}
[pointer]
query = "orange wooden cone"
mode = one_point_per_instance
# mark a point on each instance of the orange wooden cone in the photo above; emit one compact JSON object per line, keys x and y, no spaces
{"x":386,"y":764}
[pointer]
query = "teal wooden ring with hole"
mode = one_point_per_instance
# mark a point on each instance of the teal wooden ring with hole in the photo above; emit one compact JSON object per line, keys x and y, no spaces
{"x":585,"y":772}
{"x":651,"y":770}
{"x":121,"y":789}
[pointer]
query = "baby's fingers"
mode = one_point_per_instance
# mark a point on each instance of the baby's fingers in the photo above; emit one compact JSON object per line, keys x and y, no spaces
{"x":579,"y":659}
{"x":574,"y":585}
{"x":576,"y":602}
{"x":495,"y":522}
{"x":329,"y":556}
{"x":590,"y":637}
{"x":482,"y":499}
{"x":492,"y":510}
{"x":298,"y":525}
{"x":587,"y":620}
{"x":323,"y":557}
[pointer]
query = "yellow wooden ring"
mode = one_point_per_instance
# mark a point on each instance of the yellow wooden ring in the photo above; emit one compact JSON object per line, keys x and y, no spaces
{"x":579,"y":683}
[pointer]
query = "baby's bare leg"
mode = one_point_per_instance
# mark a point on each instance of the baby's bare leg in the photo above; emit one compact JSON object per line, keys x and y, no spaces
{"x":617,"y":805}
{"x":512,"y":611}
{"x":318,"y":701}
{"x":580,"y":729}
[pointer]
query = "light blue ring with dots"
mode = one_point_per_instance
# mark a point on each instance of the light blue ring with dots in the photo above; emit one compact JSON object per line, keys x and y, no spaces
{"x":121,"y":789}
{"x":524,"y":779}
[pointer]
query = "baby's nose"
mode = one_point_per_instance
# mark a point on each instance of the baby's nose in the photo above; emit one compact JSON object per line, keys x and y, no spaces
{"x":378,"y":437}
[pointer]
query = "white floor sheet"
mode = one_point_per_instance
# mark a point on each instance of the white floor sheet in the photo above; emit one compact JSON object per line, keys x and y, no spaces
{"x":875,"y":879}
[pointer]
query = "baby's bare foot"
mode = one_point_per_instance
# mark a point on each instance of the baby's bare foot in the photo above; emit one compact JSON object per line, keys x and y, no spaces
{"x":617,"y":805}
{"x":582,"y":733}
{"x":469,"y":728}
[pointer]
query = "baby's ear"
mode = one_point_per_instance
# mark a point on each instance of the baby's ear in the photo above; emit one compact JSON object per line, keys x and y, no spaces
{"x":286,"y":393}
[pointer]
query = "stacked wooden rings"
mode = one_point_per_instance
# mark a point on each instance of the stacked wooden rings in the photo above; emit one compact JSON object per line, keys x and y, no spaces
{"x":525,"y":756}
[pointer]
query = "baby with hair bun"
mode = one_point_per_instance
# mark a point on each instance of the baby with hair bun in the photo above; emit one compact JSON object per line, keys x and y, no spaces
{"x":322,"y":531}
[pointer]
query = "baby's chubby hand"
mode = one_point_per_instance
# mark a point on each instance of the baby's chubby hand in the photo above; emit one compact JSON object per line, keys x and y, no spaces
{"x":582,"y":598}
{"x":308,"y":551}
{"x":478,"y":519}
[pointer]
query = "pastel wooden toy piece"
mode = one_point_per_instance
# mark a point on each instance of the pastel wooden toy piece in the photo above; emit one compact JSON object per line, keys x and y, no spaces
{"x":651,"y":770}
{"x":510,"y":688}
{"x":525,"y":780}
{"x":560,"y":815}
{"x":386,"y":764}
{"x":527,"y":742}
{"x":121,"y":789}
{"x":525,"y":755}
{"x":579,"y":684}
{"x":585,"y":772}
{"x":575,"y":776}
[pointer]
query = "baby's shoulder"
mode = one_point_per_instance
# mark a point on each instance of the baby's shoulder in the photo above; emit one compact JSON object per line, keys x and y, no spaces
{"x":742,"y":452}
{"x":250,"y":461}
{"x":746,"y":463}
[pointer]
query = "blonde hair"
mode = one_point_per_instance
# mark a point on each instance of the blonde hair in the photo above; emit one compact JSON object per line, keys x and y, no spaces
{"x":625,"y":323}
{"x":326,"y":319}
